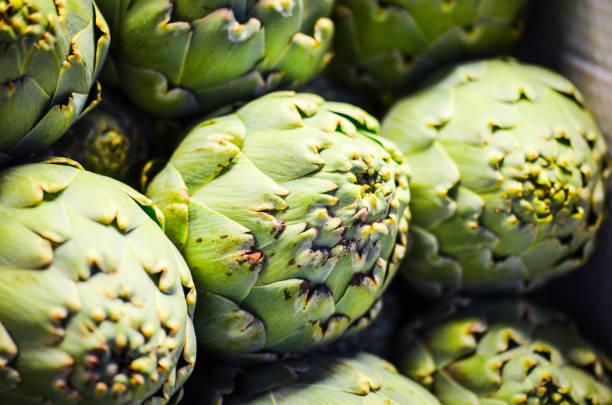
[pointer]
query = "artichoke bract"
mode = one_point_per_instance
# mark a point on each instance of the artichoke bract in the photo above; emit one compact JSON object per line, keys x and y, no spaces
{"x":386,"y":45}
{"x":50,"y":55}
{"x":96,"y":301}
{"x":291,"y":214}
{"x":503,"y":352}
{"x":508,"y":177}
{"x":182,"y":57}
{"x":360,"y":379}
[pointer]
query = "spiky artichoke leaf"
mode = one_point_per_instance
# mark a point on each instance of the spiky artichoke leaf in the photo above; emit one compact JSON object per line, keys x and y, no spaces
{"x":392,"y":44}
{"x":358,"y":378}
{"x":94,"y":306}
{"x":50,"y":58}
{"x":182,"y":57}
{"x":486,"y":353}
{"x":519,"y":168}
{"x":293,"y":210}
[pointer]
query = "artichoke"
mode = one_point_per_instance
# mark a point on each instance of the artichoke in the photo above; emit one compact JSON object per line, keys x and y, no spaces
{"x":181,"y":57}
{"x":291,"y":216}
{"x":50,"y":55}
{"x":508,"y":177}
{"x":508,"y":352}
{"x":360,"y":379}
{"x":390,"y":44}
{"x":111,"y":141}
{"x":96,"y":301}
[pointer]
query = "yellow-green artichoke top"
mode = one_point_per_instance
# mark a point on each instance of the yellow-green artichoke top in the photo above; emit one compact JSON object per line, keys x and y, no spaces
{"x":291,"y":214}
{"x":182,"y":57}
{"x":350,"y":379}
{"x":96,"y":302}
{"x":503,"y":353}
{"x":50,"y":55}
{"x":508,"y":177}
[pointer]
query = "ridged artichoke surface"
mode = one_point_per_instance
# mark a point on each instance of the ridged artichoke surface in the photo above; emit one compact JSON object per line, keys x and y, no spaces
{"x":182,"y":57}
{"x":50,"y":55}
{"x":96,"y":302}
{"x":508,"y":177}
{"x":502,"y":353}
{"x":291,"y":216}
{"x":359,"y":379}
{"x":111,"y":140}
{"x":389,"y":44}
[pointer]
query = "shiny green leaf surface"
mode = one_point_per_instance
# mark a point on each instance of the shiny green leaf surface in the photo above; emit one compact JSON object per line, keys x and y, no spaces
{"x":96,"y":302}
{"x":502,"y":353}
{"x":50,"y":56}
{"x":291,"y":214}
{"x":509,"y":171}
{"x":390,"y":44}
{"x":359,"y":379}
{"x":181,"y":57}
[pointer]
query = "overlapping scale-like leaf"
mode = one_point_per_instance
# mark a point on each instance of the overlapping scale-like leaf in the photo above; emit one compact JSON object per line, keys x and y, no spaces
{"x":508,"y":177}
{"x":50,"y":56}
{"x":96,"y":302}
{"x":386,"y":44}
{"x":359,"y":378}
{"x":182,"y":57}
{"x":497,"y":353}
{"x":291,"y":214}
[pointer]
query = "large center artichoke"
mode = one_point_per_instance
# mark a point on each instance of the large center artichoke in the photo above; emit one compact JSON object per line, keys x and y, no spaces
{"x":291,"y":216}
{"x":502,"y":353}
{"x":50,"y":55}
{"x":356,"y":379}
{"x":386,"y":44}
{"x":180,"y":57}
{"x":509,"y":172}
{"x":93,"y":307}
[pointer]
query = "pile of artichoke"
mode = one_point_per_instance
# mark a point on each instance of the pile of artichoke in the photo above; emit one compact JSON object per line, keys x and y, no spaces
{"x":257,"y":263}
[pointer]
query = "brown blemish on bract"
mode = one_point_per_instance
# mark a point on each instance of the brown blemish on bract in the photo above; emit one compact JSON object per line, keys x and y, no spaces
{"x":357,"y":279}
{"x":304,"y":286}
{"x":254,"y":259}
{"x":278,"y":230}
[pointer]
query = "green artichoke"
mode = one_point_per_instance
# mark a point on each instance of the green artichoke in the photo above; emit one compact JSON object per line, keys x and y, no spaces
{"x":291,"y":214}
{"x":96,"y":301}
{"x":181,"y":57}
{"x":509,"y":172}
{"x":50,"y":55}
{"x":390,"y":44}
{"x":360,"y":379}
{"x":111,"y":140}
{"x":508,"y":352}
